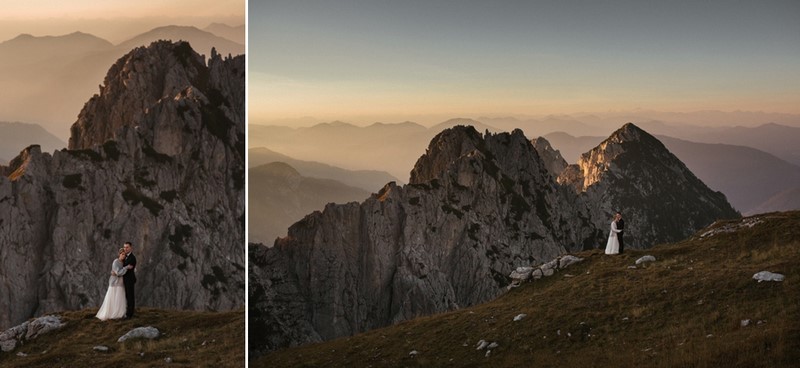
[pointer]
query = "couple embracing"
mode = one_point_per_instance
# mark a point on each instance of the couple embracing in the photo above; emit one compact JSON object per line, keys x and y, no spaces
{"x":119,"y":301}
{"x":615,"y":243}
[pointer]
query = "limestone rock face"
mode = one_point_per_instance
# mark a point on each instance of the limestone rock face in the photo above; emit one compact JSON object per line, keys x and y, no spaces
{"x":660,"y":199}
{"x":157,"y":158}
{"x":477,"y":207}
{"x":552,"y":158}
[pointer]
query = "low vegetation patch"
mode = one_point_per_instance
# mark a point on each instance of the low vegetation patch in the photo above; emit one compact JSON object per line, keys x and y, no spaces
{"x":188,"y":339}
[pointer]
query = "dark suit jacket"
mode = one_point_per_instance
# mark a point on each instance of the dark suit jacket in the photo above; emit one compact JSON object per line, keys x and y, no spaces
{"x":621,"y":224}
{"x":130,"y":275}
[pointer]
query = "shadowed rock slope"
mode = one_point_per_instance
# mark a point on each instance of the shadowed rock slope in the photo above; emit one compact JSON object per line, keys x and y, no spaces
{"x":157,"y":158}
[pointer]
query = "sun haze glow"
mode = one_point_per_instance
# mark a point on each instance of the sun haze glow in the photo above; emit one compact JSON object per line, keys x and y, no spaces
{"x":391,"y":61}
{"x":112,"y":19}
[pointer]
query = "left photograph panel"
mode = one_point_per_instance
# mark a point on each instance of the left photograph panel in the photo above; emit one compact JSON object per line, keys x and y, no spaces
{"x":122,"y":183}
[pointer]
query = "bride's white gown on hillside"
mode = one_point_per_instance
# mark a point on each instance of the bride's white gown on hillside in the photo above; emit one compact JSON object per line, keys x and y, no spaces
{"x":612,"y":247}
{"x":114,"y":304}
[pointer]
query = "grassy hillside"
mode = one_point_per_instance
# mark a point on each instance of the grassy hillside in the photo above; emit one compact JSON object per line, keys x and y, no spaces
{"x":684,"y":310}
{"x":190,"y":339}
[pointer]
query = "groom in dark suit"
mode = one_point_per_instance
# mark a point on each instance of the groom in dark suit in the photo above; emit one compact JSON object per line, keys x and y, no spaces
{"x":621,"y":228}
{"x":129,"y":279}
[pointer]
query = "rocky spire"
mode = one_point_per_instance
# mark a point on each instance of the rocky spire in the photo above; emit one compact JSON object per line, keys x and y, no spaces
{"x":156,"y":158}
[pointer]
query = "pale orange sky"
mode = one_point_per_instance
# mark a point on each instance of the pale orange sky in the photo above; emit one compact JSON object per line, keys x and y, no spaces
{"x":114,"y":20}
{"x":363,"y":61}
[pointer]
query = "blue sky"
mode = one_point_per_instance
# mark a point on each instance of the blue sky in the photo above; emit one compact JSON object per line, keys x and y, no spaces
{"x":365,"y":61}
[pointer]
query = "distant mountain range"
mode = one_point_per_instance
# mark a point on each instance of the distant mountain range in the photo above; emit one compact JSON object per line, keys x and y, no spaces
{"x":47,"y":79}
{"x":749,"y":165}
{"x":279,"y":196}
{"x":14,"y":137}
{"x":368,"y":180}
{"x":749,"y":177}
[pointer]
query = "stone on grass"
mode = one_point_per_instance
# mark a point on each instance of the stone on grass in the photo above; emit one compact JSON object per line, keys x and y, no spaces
{"x":148,"y":332}
{"x":482,"y":344}
{"x":519,"y":317}
{"x":100,"y":348}
{"x":413,"y":353}
{"x":568,"y":260}
{"x":645,"y":259}
{"x":744,"y":323}
{"x":492,"y":345}
{"x":768,"y":276}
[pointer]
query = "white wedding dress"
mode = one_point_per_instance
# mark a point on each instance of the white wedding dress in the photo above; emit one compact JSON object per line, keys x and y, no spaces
{"x":612,"y":247}
{"x":114,"y":304}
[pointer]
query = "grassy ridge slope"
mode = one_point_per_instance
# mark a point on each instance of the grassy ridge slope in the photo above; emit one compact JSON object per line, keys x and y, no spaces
{"x":684,"y":310}
{"x":190,"y":339}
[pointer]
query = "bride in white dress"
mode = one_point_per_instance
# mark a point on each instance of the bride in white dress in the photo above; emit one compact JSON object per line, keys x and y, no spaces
{"x":612,"y":247}
{"x":114,"y":304}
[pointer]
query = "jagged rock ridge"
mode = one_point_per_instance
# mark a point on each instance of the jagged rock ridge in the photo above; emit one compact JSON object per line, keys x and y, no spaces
{"x":477,"y":206}
{"x":661,"y":200}
{"x":157,"y":158}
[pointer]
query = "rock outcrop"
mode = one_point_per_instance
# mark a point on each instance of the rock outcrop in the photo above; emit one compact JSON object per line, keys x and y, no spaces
{"x":660,"y":199}
{"x":156,"y":158}
{"x":553,"y":160}
{"x":477,"y":209}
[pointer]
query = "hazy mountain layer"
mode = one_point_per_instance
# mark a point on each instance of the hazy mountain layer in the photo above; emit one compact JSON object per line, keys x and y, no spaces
{"x":32,"y":66}
{"x":279,"y":196}
{"x":157,"y":158}
{"x":368,"y":180}
{"x":14,"y":137}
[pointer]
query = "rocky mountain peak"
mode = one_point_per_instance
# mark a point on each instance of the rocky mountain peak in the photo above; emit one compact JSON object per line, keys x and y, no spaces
{"x":630,"y":141}
{"x":444,"y":149}
{"x":151,"y":78}
{"x":156,"y":158}
{"x":634,"y":172}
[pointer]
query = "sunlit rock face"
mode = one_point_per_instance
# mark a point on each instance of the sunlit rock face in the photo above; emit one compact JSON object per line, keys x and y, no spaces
{"x":477,"y":206}
{"x":660,"y":199}
{"x":156,"y":158}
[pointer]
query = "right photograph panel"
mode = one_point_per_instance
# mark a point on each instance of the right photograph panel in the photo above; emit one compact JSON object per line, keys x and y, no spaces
{"x":523,"y":183}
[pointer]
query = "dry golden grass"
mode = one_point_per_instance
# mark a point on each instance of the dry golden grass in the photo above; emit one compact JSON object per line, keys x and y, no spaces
{"x":684,"y":310}
{"x":190,"y":339}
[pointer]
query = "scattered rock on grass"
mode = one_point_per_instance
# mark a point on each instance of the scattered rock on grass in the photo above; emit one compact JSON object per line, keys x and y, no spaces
{"x":519,"y":317}
{"x":413,"y":353}
{"x":644,"y":259}
{"x":100,"y":348}
{"x":768,"y":276}
{"x":482,"y":344}
{"x":148,"y":332}
{"x":745,"y":323}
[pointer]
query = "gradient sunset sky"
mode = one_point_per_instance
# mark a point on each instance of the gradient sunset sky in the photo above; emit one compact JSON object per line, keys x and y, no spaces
{"x":425,"y":61}
{"x":114,"y":20}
